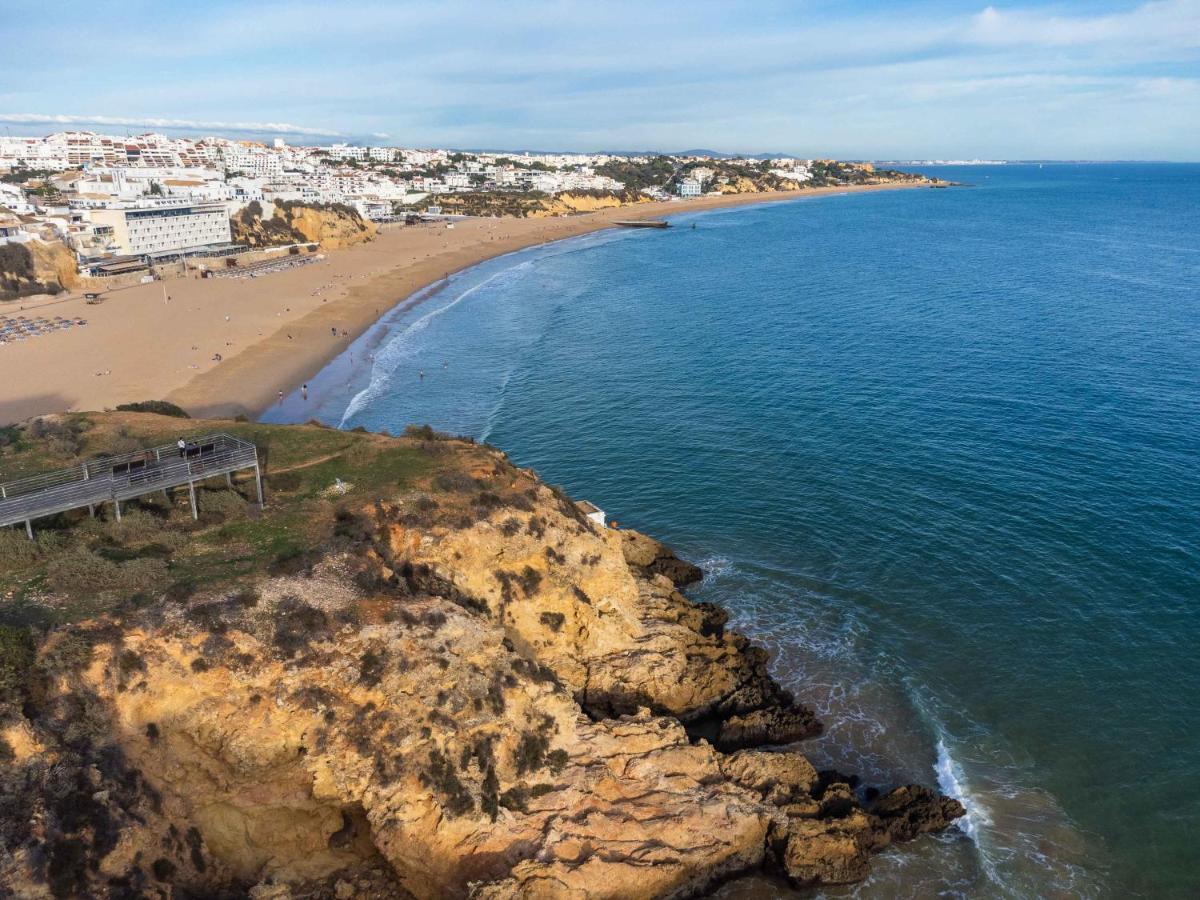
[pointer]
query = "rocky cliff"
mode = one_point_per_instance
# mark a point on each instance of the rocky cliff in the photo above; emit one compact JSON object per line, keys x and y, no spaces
{"x":533,"y":205}
{"x":436,"y":679}
{"x":333,"y":226}
{"x":36,"y":267}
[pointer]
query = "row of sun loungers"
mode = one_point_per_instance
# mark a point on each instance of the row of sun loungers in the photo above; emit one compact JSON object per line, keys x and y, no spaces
{"x":18,"y":328}
{"x":266,"y":267}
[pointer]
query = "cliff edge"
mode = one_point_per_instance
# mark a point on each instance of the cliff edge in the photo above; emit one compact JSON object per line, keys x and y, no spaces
{"x":433,"y":678}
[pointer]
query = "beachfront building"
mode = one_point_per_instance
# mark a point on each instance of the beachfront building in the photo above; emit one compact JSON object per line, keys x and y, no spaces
{"x":143,"y":230}
{"x":689,"y":187}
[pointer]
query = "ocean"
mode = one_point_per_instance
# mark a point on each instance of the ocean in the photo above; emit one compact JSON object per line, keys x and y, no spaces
{"x":939,"y":450}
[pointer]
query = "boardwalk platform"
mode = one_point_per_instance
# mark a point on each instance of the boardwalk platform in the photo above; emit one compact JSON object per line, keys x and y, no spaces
{"x":114,"y":479}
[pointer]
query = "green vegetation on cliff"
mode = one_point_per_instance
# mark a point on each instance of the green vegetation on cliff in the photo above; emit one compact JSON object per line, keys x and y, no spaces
{"x":79,"y":566}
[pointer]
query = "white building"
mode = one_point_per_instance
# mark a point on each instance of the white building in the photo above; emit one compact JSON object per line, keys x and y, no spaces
{"x":255,"y":164}
{"x":689,"y":187}
{"x":13,"y":199}
{"x":345,"y":151}
{"x":798,"y":173}
{"x":176,"y":226}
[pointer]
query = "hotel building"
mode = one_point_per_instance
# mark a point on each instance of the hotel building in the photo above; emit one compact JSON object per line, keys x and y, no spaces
{"x":142,"y":230}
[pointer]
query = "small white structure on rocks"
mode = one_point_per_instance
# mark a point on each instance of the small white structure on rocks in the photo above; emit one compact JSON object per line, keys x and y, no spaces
{"x":593,"y":512}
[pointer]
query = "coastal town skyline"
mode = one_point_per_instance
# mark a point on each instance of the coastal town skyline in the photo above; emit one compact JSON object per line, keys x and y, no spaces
{"x":919,"y":81}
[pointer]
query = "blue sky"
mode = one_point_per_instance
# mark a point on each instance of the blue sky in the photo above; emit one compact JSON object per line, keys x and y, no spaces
{"x":1076,"y":80}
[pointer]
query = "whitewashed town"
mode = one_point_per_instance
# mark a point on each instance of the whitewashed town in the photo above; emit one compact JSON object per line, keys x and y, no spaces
{"x":119,"y":204}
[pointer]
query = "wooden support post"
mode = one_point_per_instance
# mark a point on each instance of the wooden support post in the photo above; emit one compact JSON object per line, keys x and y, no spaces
{"x":29,"y":529}
{"x":258,"y":481}
{"x":192,"y":496}
{"x":92,"y":510}
{"x":229,"y":479}
{"x":117,"y":504}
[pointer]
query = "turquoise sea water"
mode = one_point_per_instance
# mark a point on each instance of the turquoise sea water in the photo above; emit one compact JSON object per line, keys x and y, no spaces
{"x":938,"y":449}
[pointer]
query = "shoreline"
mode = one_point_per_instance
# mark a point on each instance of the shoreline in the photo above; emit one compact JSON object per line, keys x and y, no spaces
{"x":161,"y":341}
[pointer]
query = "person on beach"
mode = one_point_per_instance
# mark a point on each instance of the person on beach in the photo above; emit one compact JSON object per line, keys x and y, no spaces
{"x":281,"y":397}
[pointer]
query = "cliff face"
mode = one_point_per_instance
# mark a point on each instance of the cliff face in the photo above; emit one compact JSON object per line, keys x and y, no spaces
{"x":333,"y":227}
{"x":464,"y":689}
{"x":533,"y":206}
{"x":568,"y":203}
{"x":36,"y":267}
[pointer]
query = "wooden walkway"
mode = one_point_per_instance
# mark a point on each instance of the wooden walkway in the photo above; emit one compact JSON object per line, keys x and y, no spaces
{"x":113,"y":479}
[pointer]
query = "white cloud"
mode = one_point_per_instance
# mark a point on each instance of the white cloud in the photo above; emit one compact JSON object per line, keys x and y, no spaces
{"x":1162,"y":24}
{"x":129,"y":121}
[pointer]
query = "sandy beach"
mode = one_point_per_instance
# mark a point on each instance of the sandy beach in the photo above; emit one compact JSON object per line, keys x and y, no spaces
{"x":161,"y":340}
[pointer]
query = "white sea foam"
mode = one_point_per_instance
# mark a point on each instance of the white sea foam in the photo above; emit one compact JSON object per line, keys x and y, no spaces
{"x":716,"y":568}
{"x":403,"y":345}
{"x":953,"y":783}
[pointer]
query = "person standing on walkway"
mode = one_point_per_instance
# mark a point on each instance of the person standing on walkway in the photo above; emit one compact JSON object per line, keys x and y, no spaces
{"x":182,"y":445}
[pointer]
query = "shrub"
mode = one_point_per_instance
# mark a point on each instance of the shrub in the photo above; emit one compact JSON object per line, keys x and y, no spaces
{"x":16,"y":657}
{"x":10,"y":436}
{"x":455,"y":482}
{"x":163,"y":869}
{"x":159,"y":407}
{"x":529,"y":580}
{"x":137,"y":525}
{"x":80,"y":571}
{"x":489,"y":800}
{"x":18,"y":552}
{"x":370,"y":668}
{"x":62,"y":437}
{"x":69,"y":652}
{"x":129,"y":662}
{"x":421,"y":432}
{"x":441,"y":777}
{"x":531,"y":752}
{"x":296,"y":625}
{"x":552,"y":620}
{"x":557,"y":759}
{"x":223,"y":505}
{"x":515,"y":799}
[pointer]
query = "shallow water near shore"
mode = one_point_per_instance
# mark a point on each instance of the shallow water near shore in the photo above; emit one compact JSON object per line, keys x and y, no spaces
{"x":939,"y":450}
